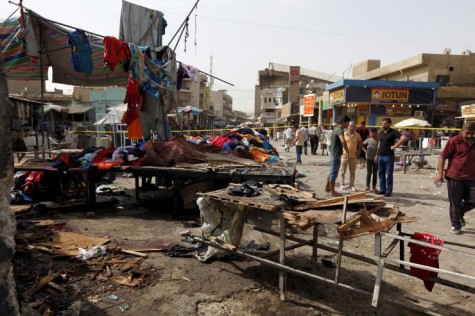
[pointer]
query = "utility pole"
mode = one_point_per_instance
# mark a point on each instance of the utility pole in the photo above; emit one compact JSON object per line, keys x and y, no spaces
{"x":8,"y":302}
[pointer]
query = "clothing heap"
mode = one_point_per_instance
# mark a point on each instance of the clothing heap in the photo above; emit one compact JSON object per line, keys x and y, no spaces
{"x":246,"y":143}
{"x":59,"y":184}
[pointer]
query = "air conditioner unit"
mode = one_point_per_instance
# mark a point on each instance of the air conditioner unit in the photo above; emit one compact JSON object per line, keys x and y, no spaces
{"x":418,"y":113}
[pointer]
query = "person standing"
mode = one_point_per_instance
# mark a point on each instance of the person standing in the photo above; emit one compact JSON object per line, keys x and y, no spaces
{"x":370,"y":146}
{"x":385,"y":157}
{"x":350,"y":156}
{"x":364,"y":133}
{"x":299,"y":142}
{"x":306,"y":138}
{"x":288,"y":138}
{"x":338,"y":143}
{"x":460,"y":175}
{"x":313,"y":132}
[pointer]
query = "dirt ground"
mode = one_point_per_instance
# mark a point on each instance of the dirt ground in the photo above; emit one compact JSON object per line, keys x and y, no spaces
{"x":234,"y":286}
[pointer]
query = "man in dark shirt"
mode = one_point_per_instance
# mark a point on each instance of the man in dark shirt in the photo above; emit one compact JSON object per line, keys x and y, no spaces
{"x":364,"y":133}
{"x":335,"y":151}
{"x":460,"y":174}
{"x":385,"y":157}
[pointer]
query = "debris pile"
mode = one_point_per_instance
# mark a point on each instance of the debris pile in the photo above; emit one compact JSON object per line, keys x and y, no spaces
{"x":52,"y":271}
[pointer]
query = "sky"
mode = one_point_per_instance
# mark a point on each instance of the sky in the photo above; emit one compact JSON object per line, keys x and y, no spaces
{"x":244,"y":36}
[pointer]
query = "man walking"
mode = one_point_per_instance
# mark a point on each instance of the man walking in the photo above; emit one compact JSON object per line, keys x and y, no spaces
{"x":288,"y":138}
{"x":338,"y":143}
{"x":299,"y":142}
{"x":349,"y":157}
{"x":385,"y":157}
{"x":460,"y":174}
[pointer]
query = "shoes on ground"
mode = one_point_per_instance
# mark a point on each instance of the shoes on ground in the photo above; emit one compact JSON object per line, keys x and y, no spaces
{"x":353,"y":189}
{"x":344,"y":186}
{"x":380,"y":193}
{"x":387,"y":194}
{"x":456,"y":231}
{"x":368,"y":190}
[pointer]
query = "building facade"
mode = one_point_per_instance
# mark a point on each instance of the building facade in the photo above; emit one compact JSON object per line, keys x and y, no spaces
{"x":279,"y":95}
{"x":223,"y":105}
{"x":455,"y":73}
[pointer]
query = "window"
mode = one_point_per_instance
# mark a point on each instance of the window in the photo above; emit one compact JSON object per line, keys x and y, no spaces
{"x":443,"y":80}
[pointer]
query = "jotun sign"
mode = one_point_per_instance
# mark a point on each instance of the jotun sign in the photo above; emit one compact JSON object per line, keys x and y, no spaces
{"x":389,"y":95}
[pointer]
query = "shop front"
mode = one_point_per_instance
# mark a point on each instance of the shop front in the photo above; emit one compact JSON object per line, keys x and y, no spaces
{"x":373,"y":100}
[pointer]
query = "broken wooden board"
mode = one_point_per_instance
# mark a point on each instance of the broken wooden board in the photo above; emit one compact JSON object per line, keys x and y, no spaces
{"x":67,"y":243}
{"x":20,"y":209}
{"x":263,"y":201}
{"x":308,"y":219}
{"x":333,"y":201}
{"x":368,"y":224}
{"x":353,"y":220}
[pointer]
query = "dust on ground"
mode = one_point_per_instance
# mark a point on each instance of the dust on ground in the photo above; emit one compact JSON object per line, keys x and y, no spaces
{"x":235,"y":286}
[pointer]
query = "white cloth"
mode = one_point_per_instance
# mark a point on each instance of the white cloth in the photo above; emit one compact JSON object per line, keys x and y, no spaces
{"x":140,"y":25}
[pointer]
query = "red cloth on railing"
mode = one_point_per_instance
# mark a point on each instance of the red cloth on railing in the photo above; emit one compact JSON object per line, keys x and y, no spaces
{"x":425,"y":256}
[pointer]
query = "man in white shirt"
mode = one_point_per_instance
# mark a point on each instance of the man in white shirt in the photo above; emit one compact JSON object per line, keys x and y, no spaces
{"x":289,"y":136}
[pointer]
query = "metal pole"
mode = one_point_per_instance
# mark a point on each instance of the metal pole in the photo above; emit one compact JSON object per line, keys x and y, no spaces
{"x":282,"y":258}
{"x":340,"y":244}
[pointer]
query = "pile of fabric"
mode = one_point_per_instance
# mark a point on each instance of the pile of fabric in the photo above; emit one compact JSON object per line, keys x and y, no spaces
{"x":246,"y":143}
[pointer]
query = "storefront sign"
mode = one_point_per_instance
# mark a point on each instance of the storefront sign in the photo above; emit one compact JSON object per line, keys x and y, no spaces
{"x":337,"y":96}
{"x":389,"y":95}
{"x":308,"y":105}
{"x":398,"y":110}
{"x":363,"y":109}
{"x":468,"y":110}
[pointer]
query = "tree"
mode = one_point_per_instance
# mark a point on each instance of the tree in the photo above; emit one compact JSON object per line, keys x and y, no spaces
{"x":8,"y":301}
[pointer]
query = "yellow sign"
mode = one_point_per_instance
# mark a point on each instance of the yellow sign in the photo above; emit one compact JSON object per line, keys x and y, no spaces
{"x":337,"y":96}
{"x":389,"y":95}
{"x":308,"y":104}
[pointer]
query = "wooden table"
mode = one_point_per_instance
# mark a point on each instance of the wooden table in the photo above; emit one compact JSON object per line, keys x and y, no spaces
{"x":409,"y":155}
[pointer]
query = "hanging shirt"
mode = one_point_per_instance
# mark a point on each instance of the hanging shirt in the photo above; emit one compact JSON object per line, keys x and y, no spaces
{"x":81,"y":52}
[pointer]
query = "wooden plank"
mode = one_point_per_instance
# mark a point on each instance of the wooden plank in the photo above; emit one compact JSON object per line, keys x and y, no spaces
{"x":134,"y":253}
{"x":340,"y":199}
{"x":40,"y":284}
{"x":57,"y":287}
{"x":353,"y":220}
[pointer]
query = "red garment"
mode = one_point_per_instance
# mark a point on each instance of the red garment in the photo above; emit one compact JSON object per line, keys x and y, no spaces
{"x":115,"y":51}
{"x":65,"y":158}
{"x":132,"y":95}
{"x":425,"y":256}
{"x":461,"y":156}
{"x":219,"y":141}
{"x":101,"y":156}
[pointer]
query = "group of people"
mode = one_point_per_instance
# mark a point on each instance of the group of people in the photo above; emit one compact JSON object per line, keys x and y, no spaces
{"x":300,"y":137}
{"x":350,"y":146}
{"x":373,"y":150}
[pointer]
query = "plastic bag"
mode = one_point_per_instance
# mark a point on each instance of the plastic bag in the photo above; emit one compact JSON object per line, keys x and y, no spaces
{"x":95,"y":251}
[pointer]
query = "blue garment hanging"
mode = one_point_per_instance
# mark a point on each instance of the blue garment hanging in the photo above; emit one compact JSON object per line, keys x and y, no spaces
{"x":81,"y":52}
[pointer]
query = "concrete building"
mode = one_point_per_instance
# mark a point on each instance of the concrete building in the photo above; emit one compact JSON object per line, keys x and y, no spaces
{"x":280,"y":92}
{"x":196,"y":94}
{"x":455,"y":73}
{"x":223,"y":105}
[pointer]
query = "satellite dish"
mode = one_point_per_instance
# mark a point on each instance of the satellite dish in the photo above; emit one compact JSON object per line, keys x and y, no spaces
{"x":447,"y":50}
